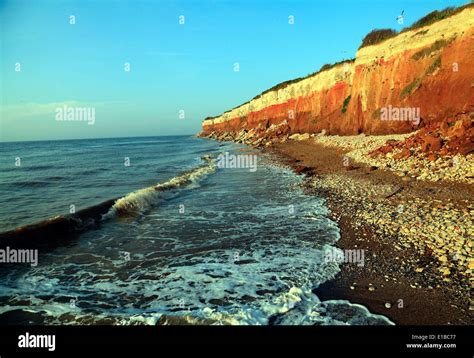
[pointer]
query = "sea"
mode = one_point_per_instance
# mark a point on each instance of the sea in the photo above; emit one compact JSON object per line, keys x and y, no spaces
{"x":188,"y":241}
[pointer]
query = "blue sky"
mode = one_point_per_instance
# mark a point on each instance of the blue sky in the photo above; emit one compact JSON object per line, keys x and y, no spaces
{"x":173,"y":67}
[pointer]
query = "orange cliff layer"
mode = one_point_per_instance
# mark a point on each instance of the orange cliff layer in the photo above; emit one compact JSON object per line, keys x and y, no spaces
{"x":429,"y":68}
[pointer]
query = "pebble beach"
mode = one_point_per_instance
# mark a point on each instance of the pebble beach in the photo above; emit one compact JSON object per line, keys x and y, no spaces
{"x":416,"y":226}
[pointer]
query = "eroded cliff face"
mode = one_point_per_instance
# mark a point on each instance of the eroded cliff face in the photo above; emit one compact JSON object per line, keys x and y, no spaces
{"x":429,"y":70}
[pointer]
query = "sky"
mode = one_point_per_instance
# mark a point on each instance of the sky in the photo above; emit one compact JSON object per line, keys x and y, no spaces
{"x":146,"y":73}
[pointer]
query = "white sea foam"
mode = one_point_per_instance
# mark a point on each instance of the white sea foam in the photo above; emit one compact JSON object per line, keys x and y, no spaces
{"x":142,"y":199}
{"x":270,"y":285}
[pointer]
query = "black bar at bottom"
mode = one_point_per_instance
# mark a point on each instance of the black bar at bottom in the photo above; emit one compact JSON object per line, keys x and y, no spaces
{"x":424,"y":340}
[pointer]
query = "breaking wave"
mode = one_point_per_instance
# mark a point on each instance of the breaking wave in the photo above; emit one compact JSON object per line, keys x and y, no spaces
{"x":142,"y":199}
{"x":132,"y":203}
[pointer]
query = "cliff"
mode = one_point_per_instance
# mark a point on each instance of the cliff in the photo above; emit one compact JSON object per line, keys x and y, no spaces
{"x":428,"y":68}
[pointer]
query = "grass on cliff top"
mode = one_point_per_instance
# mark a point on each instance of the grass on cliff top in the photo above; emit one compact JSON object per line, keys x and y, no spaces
{"x":284,"y":84}
{"x":436,"y":16}
{"x":378,"y":35}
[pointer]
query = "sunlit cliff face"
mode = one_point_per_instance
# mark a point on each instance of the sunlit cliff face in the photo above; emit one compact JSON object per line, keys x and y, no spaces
{"x":429,"y":70}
